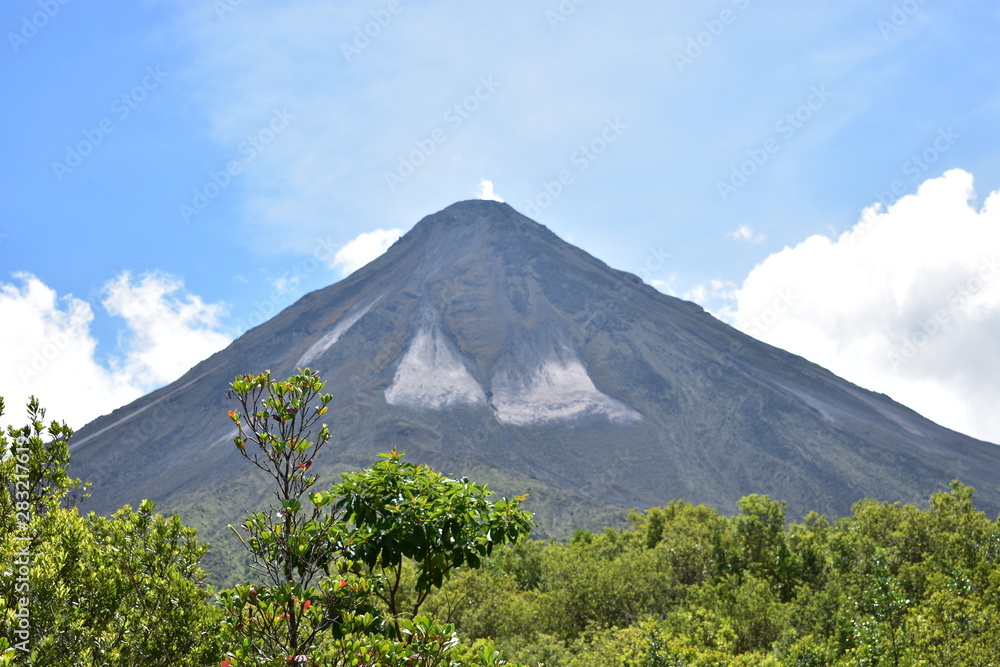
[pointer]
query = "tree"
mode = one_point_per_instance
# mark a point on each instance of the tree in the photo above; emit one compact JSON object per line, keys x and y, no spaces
{"x":290,"y":544}
{"x":317,"y":606}
{"x":122,"y":590}
{"x":759,"y":545}
{"x":405,"y":511}
{"x":33,"y":461}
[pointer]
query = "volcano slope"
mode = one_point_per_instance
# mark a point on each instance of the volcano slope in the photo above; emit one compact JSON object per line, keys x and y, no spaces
{"x":486,"y":346}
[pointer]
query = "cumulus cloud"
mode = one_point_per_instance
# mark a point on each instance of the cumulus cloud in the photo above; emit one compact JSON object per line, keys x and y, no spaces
{"x":364,"y":248}
{"x":169,"y":329}
{"x":286,"y":284}
{"x":744,"y":233}
{"x":51,"y":352}
{"x":907,"y":303}
{"x":720,"y":293}
{"x":663,"y":286}
{"x":486,"y":191}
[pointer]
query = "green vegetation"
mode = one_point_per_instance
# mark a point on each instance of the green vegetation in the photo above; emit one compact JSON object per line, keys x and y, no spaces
{"x":90,"y":590}
{"x":333,"y":560}
{"x":891,"y":585}
{"x":400,"y":566}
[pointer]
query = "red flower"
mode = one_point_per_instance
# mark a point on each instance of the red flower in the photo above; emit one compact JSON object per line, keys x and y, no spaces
{"x":306,"y":604}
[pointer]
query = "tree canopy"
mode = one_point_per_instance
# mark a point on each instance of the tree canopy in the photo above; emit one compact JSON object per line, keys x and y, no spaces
{"x":399,"y":565}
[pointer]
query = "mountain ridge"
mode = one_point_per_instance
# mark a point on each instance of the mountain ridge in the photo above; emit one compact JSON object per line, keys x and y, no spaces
{"x":482,"y":343}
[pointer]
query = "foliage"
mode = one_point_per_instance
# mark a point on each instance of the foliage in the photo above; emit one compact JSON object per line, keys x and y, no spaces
{"x":81,"y":590}
{"x":331,"y":556}
{"x":33,"y":462}
{"x":296,"y":540}
{"x":400,"y":566}
{"x":890,"y":585}
{"x":404,"y":511}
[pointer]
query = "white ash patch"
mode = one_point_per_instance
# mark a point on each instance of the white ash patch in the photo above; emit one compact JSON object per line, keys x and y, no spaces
{"x":432,"y":375}
{"x":559,"y":389}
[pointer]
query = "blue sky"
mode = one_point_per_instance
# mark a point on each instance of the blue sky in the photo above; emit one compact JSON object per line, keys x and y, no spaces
{"x":173,"y":171}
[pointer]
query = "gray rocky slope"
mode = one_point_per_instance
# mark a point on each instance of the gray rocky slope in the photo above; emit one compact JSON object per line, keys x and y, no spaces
{"x":483,"y":344}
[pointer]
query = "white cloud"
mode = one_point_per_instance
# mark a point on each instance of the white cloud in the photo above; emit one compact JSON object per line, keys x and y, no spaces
{"x":663,"y":286}
{"x":906,"y":303}
{"x":51,"y":351}
{"x":364,"y":248}
{"x":169,"y":329}
{"x":715,"y":296}
{"x":744,"y":233}
{"x":286,"y":283}
{"x":486,"y":191}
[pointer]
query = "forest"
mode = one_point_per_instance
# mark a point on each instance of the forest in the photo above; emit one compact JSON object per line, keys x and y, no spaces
{"x":399,"y":565}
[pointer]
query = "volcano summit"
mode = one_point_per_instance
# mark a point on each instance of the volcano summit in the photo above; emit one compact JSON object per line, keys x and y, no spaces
{"x":483,"y":344}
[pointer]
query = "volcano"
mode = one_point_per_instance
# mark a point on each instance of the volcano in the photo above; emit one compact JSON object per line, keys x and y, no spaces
{"x":486,"y":346}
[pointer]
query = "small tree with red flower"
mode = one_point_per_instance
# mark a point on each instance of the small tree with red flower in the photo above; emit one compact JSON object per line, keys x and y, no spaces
{"x":328,"y":556}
